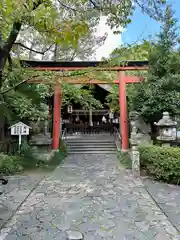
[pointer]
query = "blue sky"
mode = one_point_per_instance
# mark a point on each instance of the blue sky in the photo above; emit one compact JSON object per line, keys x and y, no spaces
{"x":142,"y":26}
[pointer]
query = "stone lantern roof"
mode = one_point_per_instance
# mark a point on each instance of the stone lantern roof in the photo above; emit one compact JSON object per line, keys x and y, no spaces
{"x":166,"y":121}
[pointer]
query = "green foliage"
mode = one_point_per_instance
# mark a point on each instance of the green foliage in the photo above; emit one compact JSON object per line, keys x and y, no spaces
{"x":9,"y":164}
{"x":161,"y":162}
{"x":20,"y":100}
{"x":131,"y":52}
{"x":161,"y":90}
{"x":63,"y":148}
{"x":27,"y":158}
{"x":22,"y":107}
{"x":42,"y":16}
{"x":119,"y":56}
{"x":79,"y":95}
{"x":125,"y":159}
{"x":30,"y":161}
{"x":158,"y":96}
{"x":113,"y":99}
{"x":57,"y":158}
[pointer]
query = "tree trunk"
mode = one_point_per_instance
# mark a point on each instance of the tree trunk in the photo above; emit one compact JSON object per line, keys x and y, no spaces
{"x":6,"y":48}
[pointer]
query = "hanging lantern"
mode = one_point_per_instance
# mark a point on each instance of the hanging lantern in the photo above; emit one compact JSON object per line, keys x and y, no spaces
{"x":70,"y":109}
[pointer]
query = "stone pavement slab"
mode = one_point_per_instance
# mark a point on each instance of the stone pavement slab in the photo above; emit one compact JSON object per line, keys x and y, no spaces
{"x":92,"y":195}
{"x":14,"y":193}
{"x":167,"y":196}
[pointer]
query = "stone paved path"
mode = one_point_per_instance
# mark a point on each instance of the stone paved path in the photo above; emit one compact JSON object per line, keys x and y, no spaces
{"x":14,"y":193}
{"x":167,"y":197}
{"x":93,"y":195}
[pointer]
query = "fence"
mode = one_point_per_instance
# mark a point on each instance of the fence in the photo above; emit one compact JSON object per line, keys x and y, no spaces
{"x":86,"y":129}
{"x":9,"y":146}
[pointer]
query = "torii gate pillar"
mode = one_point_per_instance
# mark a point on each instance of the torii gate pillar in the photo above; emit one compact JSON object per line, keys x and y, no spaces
{"x":123,"y":111}
{"x":56,"y":117}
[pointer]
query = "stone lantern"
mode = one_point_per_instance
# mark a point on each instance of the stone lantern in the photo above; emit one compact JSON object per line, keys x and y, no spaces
{"x":167,"y":129}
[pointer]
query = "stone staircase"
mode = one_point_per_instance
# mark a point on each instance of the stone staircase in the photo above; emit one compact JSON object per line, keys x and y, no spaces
{"x":91,"y":143}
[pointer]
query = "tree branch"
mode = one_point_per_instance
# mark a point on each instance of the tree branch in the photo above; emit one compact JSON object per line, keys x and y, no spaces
{"x":68,"y":7}
{"x":17,"y":85}
{"x":10,"y":63}
{"x":156,"y":14}
{"x":94,"y":4}
{"x":33,"y":50}
{"x":37,"y":4}
{"x":14,"y":33}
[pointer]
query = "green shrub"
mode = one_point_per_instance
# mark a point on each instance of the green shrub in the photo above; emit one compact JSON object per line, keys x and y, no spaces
{"x":28,"y":160}
{"x":31,"y":160}
{"x":125,"y":159}
{"x":163,"y":163}
{"x":9,"y":164}
{"x":57,"y":158}
{"x":63,"y":147}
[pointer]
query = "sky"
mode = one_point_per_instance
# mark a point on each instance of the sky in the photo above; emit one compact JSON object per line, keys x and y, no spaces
{"x":107,"y":47}
{"x":141,"y":27}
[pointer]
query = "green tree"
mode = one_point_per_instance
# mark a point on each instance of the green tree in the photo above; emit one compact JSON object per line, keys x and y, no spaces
{"x":138,"y":51}
{"x":130,"y":52}
{"x":61,"y":21}
{"x":41,"y":48}
{"x":161,"y":90}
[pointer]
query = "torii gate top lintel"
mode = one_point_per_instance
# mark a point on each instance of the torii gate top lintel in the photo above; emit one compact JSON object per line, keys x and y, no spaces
{"x":78,"y":65}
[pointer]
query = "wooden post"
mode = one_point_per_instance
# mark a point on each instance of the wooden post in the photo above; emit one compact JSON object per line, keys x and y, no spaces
{"x":56,"y":117}
{"x":123,"y":111}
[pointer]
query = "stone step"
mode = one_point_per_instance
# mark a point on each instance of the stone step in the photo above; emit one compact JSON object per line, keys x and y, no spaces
{"x":92,"y":146}
{"x":90,"y":141}
{"x":89,"y":137}
{"x":90,"y":149}
{"x":93,"y":152}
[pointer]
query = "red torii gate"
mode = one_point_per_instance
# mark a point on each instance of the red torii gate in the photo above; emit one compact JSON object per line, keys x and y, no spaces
{"x":121,"y":80}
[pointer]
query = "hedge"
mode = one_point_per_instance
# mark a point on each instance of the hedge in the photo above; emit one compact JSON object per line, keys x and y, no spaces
{"x":9,"y":164}
{"x":163,"y":163}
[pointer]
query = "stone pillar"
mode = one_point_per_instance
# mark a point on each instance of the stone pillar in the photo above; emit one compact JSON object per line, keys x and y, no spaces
{"x":46,"y":130}
{"x":135,"y":156}
{"x":135,"y":161}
